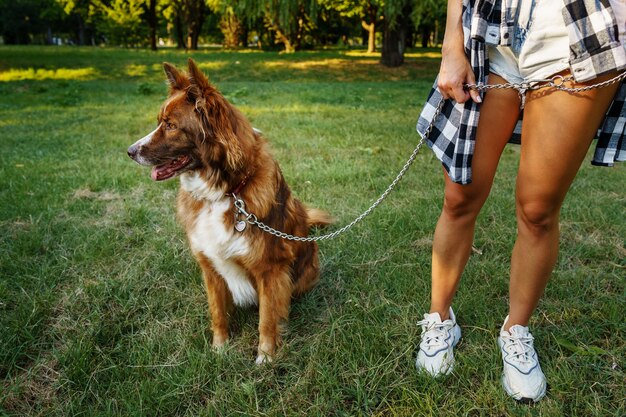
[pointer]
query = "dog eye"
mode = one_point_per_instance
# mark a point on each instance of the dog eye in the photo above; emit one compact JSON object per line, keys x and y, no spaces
{"x":170,"y":126}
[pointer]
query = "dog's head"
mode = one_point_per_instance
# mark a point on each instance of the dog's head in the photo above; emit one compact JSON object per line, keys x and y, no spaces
{"x":197,"y":128}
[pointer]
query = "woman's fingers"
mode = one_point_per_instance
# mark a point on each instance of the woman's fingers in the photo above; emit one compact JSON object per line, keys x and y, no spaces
{"x":474,"y":94}
{"x":453,"y":90}
{"x":457,"y":91}
{"x":454,"y":74}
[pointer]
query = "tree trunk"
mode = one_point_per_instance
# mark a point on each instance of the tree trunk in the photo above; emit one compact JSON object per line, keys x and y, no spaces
{"x":152,"y":23}
{"x":192,"y":37}
{"x":245,"y":33}
{"x":393,"y":44}
{"x":409,"y":38}
{"x":299,"y":34}
{"x":178,"y":29}
{"x":425,"y":36}
{"x":371,"y":35}
{"x":195,"y":19}
{"x":281,"y":37}
{"x":81,"y":30}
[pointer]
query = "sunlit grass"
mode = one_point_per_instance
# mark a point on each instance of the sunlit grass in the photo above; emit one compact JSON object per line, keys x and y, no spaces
{"x":362,"y":53}
{"x":45,"y":74}
{"x":408,"y":54}
{"x":136,"y":70}
{"x":213,"y":65}
{"x":432,"y":55}
{"x":313,"y":64}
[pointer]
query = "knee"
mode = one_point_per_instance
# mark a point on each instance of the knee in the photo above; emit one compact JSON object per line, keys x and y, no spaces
{"x":537,"y":217}
{"x":462,"y":205}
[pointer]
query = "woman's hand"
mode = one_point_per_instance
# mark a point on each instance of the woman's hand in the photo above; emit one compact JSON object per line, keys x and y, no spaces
{"x":455,"y":70}
{"x":454,"y":73}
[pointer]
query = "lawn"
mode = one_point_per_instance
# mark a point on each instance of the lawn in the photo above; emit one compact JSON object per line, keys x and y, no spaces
{"x":102,"y":310}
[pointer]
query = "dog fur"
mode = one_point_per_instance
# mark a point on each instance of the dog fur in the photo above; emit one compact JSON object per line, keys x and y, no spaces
{"x":214,"y":150}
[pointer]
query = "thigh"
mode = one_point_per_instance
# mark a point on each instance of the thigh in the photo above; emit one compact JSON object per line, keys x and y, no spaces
{"x":498,"y":115}
{"x":557,"y":130}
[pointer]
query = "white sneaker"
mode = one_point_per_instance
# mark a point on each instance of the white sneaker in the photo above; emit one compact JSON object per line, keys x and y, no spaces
{"x":435,"y":355}
{"x":522,"y":377}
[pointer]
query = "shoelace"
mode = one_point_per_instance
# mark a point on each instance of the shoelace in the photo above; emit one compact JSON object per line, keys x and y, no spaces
{"x":519,"y":347}
{"x":434,"y":332}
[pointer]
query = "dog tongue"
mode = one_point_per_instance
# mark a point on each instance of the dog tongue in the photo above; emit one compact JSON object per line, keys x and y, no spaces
{"x":168,"y":170}
{"x":157,"y":173}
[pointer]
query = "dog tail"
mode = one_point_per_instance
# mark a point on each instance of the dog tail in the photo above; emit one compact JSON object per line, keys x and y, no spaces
{"x":317,"y":217}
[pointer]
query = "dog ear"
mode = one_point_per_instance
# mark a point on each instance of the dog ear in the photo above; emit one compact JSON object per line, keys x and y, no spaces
{"x":199,"y":84}
{"x":176,"y":79}
{"x":223,"y":120}
{"x":225,"y":125}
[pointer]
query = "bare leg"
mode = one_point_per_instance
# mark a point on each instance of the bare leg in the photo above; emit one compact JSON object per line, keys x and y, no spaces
{"x":558,"y":128}
{"x":454,"y":233}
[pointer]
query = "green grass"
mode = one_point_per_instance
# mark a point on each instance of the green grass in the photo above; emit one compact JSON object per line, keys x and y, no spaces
{"x":102,"y":310}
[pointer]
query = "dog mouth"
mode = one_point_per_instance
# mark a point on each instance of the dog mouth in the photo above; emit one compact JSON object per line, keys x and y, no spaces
{"x":170,"y":169}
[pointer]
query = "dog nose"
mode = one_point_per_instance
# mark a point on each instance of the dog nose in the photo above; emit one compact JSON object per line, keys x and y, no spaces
{"x":132,"y":151}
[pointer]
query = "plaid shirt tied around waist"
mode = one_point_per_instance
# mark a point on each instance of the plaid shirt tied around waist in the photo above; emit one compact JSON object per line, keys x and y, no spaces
{"x":595,"y":50}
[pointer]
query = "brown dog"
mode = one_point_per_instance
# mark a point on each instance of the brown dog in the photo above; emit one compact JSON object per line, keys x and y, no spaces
{"x":213,"y":148}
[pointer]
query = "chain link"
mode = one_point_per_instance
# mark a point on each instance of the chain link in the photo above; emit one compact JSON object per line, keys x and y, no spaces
{"x":557,"y":82}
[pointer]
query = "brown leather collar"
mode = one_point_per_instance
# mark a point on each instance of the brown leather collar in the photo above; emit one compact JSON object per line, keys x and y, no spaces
{"x":240,"y":186}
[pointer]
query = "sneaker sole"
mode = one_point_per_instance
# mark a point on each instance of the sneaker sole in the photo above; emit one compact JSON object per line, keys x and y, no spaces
{"x":519,"y":398}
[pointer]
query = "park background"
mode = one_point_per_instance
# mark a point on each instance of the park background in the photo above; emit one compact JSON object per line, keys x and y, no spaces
{"x":102,"y":310}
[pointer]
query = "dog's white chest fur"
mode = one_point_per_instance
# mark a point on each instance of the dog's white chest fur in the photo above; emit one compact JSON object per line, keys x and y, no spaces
{"x":217,"y":242}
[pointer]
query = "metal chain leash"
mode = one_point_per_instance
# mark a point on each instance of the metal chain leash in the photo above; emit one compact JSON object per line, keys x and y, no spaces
{"x":556,"y":82}
{"x":252,"y":219}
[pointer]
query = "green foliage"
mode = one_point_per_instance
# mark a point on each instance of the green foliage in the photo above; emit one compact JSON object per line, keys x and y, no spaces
{"x":426,"y":12}
{"x":290,"y":20}
{"x":123,"y":21}
{"x":393,"y":9}
{"x":293,"y":23}
{"x":21,"y":20}
{"x":355,"y":8}
{"x":83,"y":7}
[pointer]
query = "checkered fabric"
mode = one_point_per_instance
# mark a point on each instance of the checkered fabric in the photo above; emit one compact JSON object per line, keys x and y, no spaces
{"x":594,"y":51}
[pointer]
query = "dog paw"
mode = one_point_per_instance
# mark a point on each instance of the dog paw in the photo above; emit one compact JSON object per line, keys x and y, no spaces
{"x":219,"y":343}
{"x":263,"y":359}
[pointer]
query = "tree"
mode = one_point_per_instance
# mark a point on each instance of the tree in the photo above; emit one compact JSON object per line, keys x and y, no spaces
{"x":174,"y":15}
{"x":153,"y":23}
{"x":369,"y":11}
{"x":399,"y":15}
{"x":123,"y":21}
{"x":428,"y":16}
{"x":394,"y":33}
{"x":187,"y":18}
{"x":232,"y":22}
{"x":195,"y":15}
{"x":287,"y":19}
{"x":83,"y":11}
{"x":331,"y":27}
{"x":27,"y":21}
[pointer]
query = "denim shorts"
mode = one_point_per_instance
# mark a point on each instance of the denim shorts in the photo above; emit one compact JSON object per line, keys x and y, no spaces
{"x":540,"y":44}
